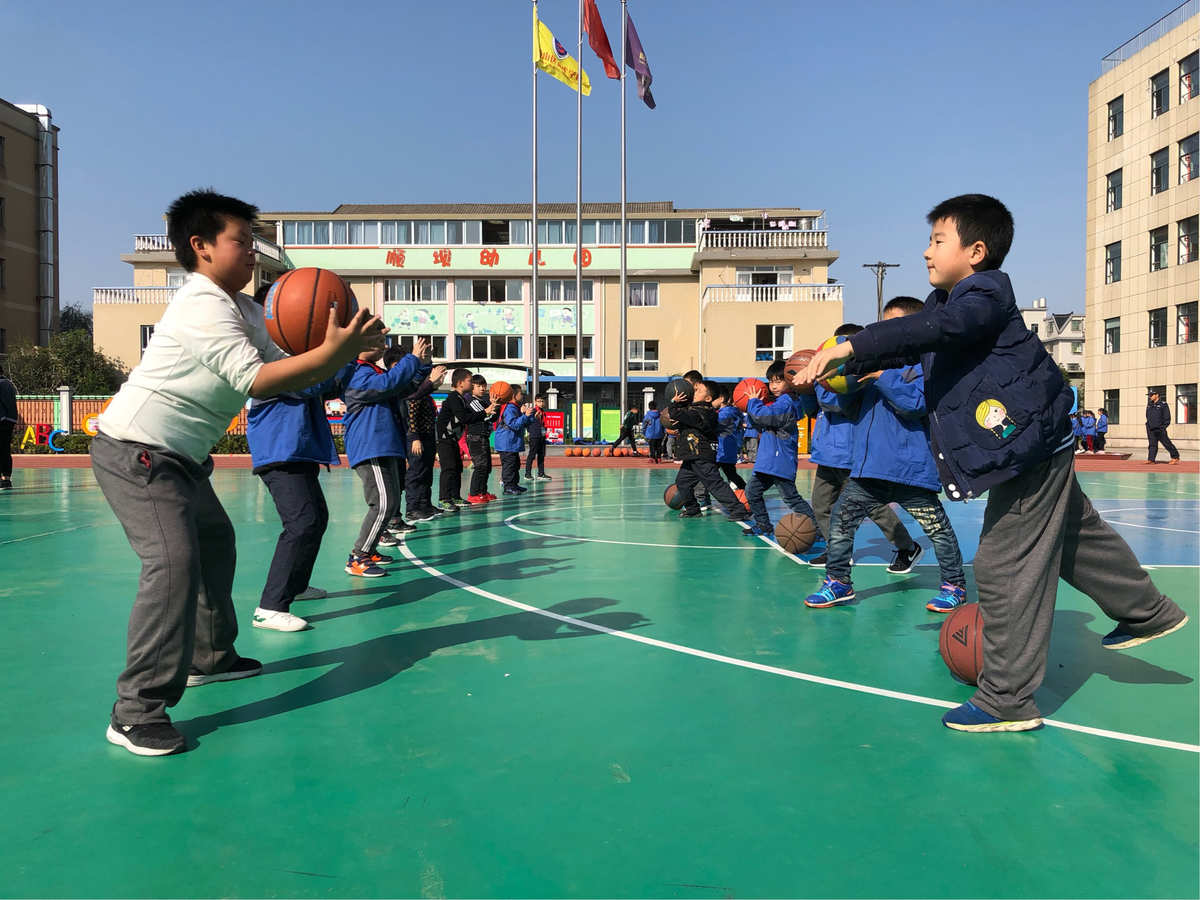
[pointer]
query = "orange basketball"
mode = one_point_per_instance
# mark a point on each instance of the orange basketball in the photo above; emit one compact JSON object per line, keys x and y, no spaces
{"x":596,"y":451}
{"x":796,"y":363}
{"x":296,"y":310}
{"x":961,"y":642}
{"x":747,"y":388}
{"x":501,"y":391}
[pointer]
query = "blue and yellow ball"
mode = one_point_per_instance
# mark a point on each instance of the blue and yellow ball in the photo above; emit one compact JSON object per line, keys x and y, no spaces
{"x":837,"y":382}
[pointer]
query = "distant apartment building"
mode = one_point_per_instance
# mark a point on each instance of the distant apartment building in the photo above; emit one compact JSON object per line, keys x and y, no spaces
{"x":28,"y":225}
{"x":1143,"y":200}
{"x":1062,"y":334}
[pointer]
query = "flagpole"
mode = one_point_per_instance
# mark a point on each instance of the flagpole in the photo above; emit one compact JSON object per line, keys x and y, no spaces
{"x":533,"y":296}
{"x":579,"y":236}
{"x":624,"y":340}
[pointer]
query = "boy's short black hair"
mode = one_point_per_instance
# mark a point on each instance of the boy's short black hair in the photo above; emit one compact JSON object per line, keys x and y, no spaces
{"x":479,"y":379}
{"x":907,"y":305}
{"x":392,"y":355}
{"x":693,"y":376}
{"x":1103,"y":411}
{"x":979,"y":217}
{"x":202,"y":214}
{"x":715,"y":389}
{"x":847,"y":330}
{"x":458,"y":376}
{"x":776,"y":369}
{"x":653,"y":404}
{"x":538,"y":397}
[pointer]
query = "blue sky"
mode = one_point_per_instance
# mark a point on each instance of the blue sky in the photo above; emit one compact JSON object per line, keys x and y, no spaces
{"x":871,"y":111}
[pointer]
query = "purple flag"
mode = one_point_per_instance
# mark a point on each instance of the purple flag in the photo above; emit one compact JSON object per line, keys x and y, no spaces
{"x":635,"y":58}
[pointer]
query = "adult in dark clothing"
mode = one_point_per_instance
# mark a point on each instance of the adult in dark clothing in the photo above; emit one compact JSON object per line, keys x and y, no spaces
{"x":537,"y":440}
{"x":697,"y":424}
{"x":452,"y":421}
{"x":626,"y":433}
{"x":8,"y":420}
{"x":422,"y":448}
{"x":1158,"y":417}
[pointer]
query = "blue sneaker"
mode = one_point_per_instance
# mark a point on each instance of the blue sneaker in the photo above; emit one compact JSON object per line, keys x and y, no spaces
{"x":949,"y":597}
{"x":1120,"y":639}
{"x":832,"y":593}
{"x":755,"y":531}
{"x":970,"y":717}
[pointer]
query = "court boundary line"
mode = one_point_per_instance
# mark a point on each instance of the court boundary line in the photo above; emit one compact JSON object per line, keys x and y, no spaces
{"x":771,"y":670}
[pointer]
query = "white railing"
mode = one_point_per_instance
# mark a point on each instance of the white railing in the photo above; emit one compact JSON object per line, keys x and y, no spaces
{"x":133,"y":294}
{"x":772,"y":293}
{"x":762,"y":240}
{"x":162,"y":242}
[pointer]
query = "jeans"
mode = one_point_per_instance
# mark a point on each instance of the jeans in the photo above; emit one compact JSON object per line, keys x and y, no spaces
{"x":828,"y":482}
{"x":759,"y":483}
{"x":296,"y":490}
{"x":861,"y":496}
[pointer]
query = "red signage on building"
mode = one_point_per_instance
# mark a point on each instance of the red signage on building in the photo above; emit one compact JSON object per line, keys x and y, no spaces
{"x":555,"y":423}
{"x":395,"y":258}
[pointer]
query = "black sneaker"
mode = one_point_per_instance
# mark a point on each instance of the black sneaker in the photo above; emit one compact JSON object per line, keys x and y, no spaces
{"x":5,"y":484}
{"x":152,"y":739}
{"x":904,"y":560}
{"x":447,"y":508}
{"x":245,"y":667}
{"x":401,"y":527}
{"x":420,"y":515}
{"x":691,"y":514}
{"x":819,"y":561}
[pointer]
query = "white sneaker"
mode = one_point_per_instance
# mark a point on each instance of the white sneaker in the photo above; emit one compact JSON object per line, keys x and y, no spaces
{"x":278,"y":621}
{"x":311,"y":593}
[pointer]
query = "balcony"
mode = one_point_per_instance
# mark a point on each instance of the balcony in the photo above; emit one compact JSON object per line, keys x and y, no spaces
{"x":762,"y":240}
{"x":772,"y":293}
{"x":133,"y":294}
{"x":161,"y":243}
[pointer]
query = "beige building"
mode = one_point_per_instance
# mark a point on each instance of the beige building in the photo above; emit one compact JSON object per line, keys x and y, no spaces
{"x":1143,"y":198}
{"x":1062,"y":334}
{"x":28,"y":225}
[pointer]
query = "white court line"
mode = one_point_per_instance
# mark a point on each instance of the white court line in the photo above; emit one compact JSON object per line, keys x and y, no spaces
{"x":571,"y":537}
{"x":771,"y":670}
{"x":30,"y":537}
{"x":1152,"y":527}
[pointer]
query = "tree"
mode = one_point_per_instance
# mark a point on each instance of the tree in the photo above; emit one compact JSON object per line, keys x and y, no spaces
{"x":70,"y":359}
{"x":74,"y":318}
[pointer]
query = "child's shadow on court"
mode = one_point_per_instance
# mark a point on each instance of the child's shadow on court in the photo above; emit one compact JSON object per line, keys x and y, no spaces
{"x":371,"y":663}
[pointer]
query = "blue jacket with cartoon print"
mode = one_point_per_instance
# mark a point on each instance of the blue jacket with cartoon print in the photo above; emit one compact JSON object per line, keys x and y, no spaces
{"x":997,"y":402}
{"x":510,"y":429}
{"x":729,"y":438}
{"x":891,"y":434}
{"x":779,"y":439}
{"x":373,"y":425}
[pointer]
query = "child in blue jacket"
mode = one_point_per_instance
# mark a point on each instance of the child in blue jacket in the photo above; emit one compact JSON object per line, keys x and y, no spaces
{"x":832,"y":451}
{"x":375,"y":445}
{"x":891,"y":463}
{"x":1101,"y":429}
{"x":1077,"y":431}
{"x":510,"y":440}
{"x":729,"y":438}
{"x":778,"y":446}
{"x":998,"y":423}
{"x":1087,"y":424}
{"x":653,"y":431}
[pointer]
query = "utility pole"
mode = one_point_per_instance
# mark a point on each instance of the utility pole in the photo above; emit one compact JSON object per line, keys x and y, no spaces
{"x":880,"y":268}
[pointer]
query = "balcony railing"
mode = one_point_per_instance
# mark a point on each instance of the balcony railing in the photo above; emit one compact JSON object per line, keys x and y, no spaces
{"x":133,"y":294}
{"x":151,"y":243}
{"x":762,"y":240}
{"x":772,"y":293}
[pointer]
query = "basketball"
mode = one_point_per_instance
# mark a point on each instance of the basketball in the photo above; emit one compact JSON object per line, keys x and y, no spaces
{"x":795,"y":533}
{"x":747,"y":388}
{"x":839,"y":384}
{"x":596,"y":451}
{"x":961,"y":642}
{"x":296,"y":310}
{"x":796,"y":363}
{"x":501,"y":391}
{"x":608,"y":451}
{"x":677,"y":386}
{"x":671,"y":497}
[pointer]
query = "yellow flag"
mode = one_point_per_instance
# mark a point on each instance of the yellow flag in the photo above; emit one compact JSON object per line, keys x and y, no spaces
{"x":551,"y":56}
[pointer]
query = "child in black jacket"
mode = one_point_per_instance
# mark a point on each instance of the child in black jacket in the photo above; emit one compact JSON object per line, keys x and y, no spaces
{"x":697,"y":443}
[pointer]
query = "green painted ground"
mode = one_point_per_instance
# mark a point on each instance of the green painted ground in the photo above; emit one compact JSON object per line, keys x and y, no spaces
{"x":422,"y":740}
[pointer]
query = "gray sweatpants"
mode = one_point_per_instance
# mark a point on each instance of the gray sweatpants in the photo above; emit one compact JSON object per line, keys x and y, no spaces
{"x":827,"y":487}
{"x":183,"y":616}
{"x":382,"y":484}
{"x":1037,"y":528}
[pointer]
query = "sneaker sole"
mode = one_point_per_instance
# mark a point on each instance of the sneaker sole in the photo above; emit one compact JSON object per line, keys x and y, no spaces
{"x":984,"y":727}
{"x":838,"y":602}
{"x":288,"y":630}
{"x":350,"y":571}
{"x":198,"y":680}
{"x":115,"y":737}
{"x":938,"y":609}
{"x":1138,"y":641}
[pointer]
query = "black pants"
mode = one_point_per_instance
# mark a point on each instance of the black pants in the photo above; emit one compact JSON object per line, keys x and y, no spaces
{"x":481,"y":462}
{"x":1158,"y":436}
{"x":6,"y":431}
{"x":729,"y":470}
{"x":418,"y":481}
{"x":296,"y":490}
{"x":1100,"y":435}
{"x":625,"y":435}
{"x":537,"y":450}
{"x":656,"y":449}
{"x":510,"y":468}
{"x":704,"y":471}
{"x":450,"y":482}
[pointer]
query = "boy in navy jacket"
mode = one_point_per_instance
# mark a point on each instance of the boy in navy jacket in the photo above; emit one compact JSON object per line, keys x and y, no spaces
{"x":832,"y":445}
{"x":510,"y":441}
{"x":537,"y":440}
{"x":375,"y":445}
{"x":891,"y":463}
{"x":653,"y":431}
{"x":778,"y":446}
{"x":483,"y":414}
{"x":697,"y":448}
{"x":422,"y":448}
{"x":998,"y":423}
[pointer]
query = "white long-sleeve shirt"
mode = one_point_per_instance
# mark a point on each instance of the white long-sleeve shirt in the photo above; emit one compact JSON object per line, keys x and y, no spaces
{"x":196,"y":371}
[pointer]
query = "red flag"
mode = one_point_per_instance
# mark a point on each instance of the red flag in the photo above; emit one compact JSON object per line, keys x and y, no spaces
{"x":598,"y":39}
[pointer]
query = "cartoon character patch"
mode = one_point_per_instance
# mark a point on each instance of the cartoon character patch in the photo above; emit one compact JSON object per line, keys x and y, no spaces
{"x":992,"y":415}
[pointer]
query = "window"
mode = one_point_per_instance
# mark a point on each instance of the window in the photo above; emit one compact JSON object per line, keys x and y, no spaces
{"x":1113,"y":196}
{"x":643,"y":293}
{"x":424,"y":290}
{"x":1188,"y":157}
{"x":1076,"y":347}
{"x":1112,"y":335}
{"x":1112,"y":263}
{"x":1185,"y":404}
{"x":518,"y":231}
{"x":364,"y":233}
{"x":562,"y":290}
{"x":772,"y":342}
{"x":562,"y":346}
{"x":454,"y":232}
{"x":1034,"y":327}
{"x":426,"y":232}
{"x":176,"y":278}
{"x":1158,"y":327}
{"x":643,"y":356}
{"x":1159,"y":171}
{"x":514,"y":291}
{"x":1112,"y":403}
{"x":1116,"y":117}
{"x":610,"y":231}
{"x":395,"y":233}
{"x":488,"y":290}
{"x":320,"y":232}
{"x":1185,"y":323}
{"x":1160,"y":94}
{"x":1188,"y":85}
{"x":1188,"y":229}
{"x":1077,"y":326}
{"x":495,"y":232}
{"x":147,"y":332}
{"x":338,"y":231}
{"x":637,"y":232}
{"x":550,"y":231}
{"x":488,"y":346}
{"x":437,"y":343}
{"x":1158,"y":249}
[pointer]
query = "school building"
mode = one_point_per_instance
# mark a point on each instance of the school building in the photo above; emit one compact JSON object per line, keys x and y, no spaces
{"x":28,"y":225}
{"x":724,"y":291}
{"x":1143,"y":196}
